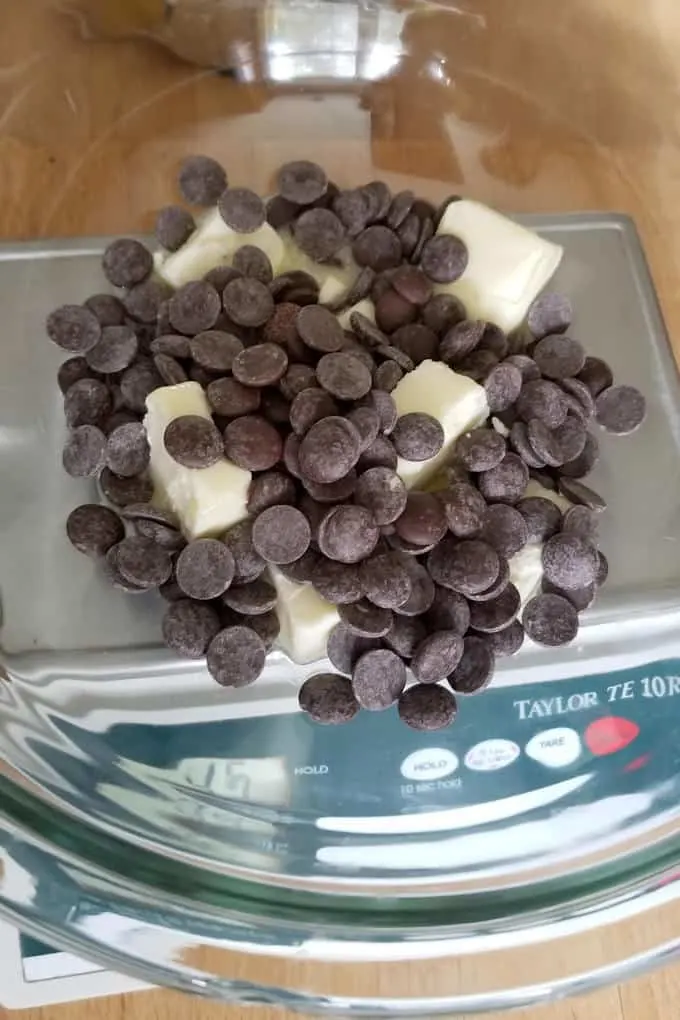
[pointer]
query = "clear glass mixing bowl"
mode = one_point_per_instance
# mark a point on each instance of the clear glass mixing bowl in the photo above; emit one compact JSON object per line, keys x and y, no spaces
{"x":222,"y":845}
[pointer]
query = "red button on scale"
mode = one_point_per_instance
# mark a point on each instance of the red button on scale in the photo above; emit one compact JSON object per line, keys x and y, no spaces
{"x":609,"y":735}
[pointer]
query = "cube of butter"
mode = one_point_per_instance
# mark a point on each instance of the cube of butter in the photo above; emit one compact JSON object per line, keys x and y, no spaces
{"x":508,"y":265}
{"x":214,"y":244}
{"x":206,"y":500}
{"x":305,"y":617}
{"x":458,"y":403}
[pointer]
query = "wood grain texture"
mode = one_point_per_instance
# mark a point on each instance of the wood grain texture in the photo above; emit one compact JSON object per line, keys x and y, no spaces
{"x":528,"y":105}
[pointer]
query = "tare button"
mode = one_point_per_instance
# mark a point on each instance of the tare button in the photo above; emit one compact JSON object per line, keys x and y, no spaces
{"x":555,"y":748}
{"x":429,"y":763}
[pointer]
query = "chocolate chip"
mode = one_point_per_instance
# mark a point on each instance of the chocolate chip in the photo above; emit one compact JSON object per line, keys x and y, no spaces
{"x":328,"y":699}
{"x":581,"y":521}
{"x":408,"y":233}
{"x":143,"y":562}
{"x":507,"y":641}
{"x":543,"y":443}
{"x":378,"y":678}
{"x":527,"y":366}
{"x":597,"y":375}
{"x":253,"y":599}
{"x":460,"y":340}
{"x":72,"y":370}
{"x":291,"y":455}
{"x":270,"y":489}
{"x":494,"y":614}
{"x":347,"y":534}
{"x":475,"y":669}
{"x":215,"y":350}
{"x":580,"y":598}
{"x":137,"y":382}
{"x":417,"y":342}
{"x":481,"y":449}
{"x":281,"y":327}
{"x":248,"y":564}
{"x":559,"y":357}
{"x":319,"y":233}
{"x":550,"y":313}
{"x":377,"y":247}
{"x":241,"y":209}
{"x":543,"y":400}
{"x":148,"y":512}
{"x":569,"y":561}
{"x":585,"y":462}
{"x":345,"y":647}
{"x":417,"y":436}
{"x":422,"y":588}
{"x":505,"y":483}
{"x":437,"y":656}
{"x":252,"y":443}
{"x":621,"y":409}
{"x":505,"y":529}
{"x":126,"y":262}
{"x":427,"y":707}
{"x":251,"y":261}
{"x":392,"y":311}
{"x":378,"y":200}
{"x":73,"y":328}
{"x":309,"y":407}
{"x":280,"y":212}
{"x":550,"y":620}
{"x":467,"y":567}
{"x":281,"y":534}
{"x":519,"y":440}
{"x":580,"y":400}
{"x":320,"y":329}
{"x":170,"y":370}
{"x":367,"y":330}
{"x":201,"y":180}
{"x":261,"y":365}
{"x":144,"y":301}
{"x":124,"y":491}
{"x":205,"y":569}
{"x":449,"y":611}
{"x":385,"y":581}
{"x":478,"y":365}
{"x":86,"y":402}
{"x":602,"y":569}
{"x":385,"y":406}
{"x":413,"y":285}
{"x":400,"y":207}
{"x":193,"y":441}
{"x":297,"y":379}
{"x":396,"y":355}
{"x":127,"y":450}
{"x":464,"y":508}
{"x":344,"y":376}
{"x":426,"y":232}
{"x":332,"y":492}
{"x":84,"y":452}
{"x":168,"y":538}
{"x":107,"y":308}
{"x":231,"y":399}
{"x":541,"y":516}
{"x":301,"y":182}
{"x":172,"y":345}
{"x":329,"y":449}
{"x":247,"y":302}
{"x":236,"y":656}
{"x":494,"y":340}
{"x":380,"y":453}
{"x":189,"y":627}
{"x":94,"y":529}
{"x":577,"y":492}
{"x":497,"y":587}
{"x":350,"y":208}
{"x":423,"y":520}
{"x":366,"y":421}
{"x":442,"y":312}
{"x":174,"y":226}
{"x":267,"y":628}
{"x":570,"y":438}
{"x":382,"y":492}
{"x":114,"y":351}
{"x":444,"y":258}
{"x":365,"y":619}
{"x":387,"y":376}
{"x":194,"y":307}
{"x":502,"y":386}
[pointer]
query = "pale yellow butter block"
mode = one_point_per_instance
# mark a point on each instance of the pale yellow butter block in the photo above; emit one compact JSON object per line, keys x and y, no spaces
{"x":457,"y":402}
{"x":207,"y":500}
{"x":214,"y":244}
{"x":508,"y":265}
{"x":305,"y":617}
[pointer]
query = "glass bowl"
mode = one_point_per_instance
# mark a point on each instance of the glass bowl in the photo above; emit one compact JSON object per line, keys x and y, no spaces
{"x":218,"y":842}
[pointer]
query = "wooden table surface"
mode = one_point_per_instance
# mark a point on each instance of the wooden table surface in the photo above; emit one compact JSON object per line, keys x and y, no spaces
{"x":526,"y":104}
